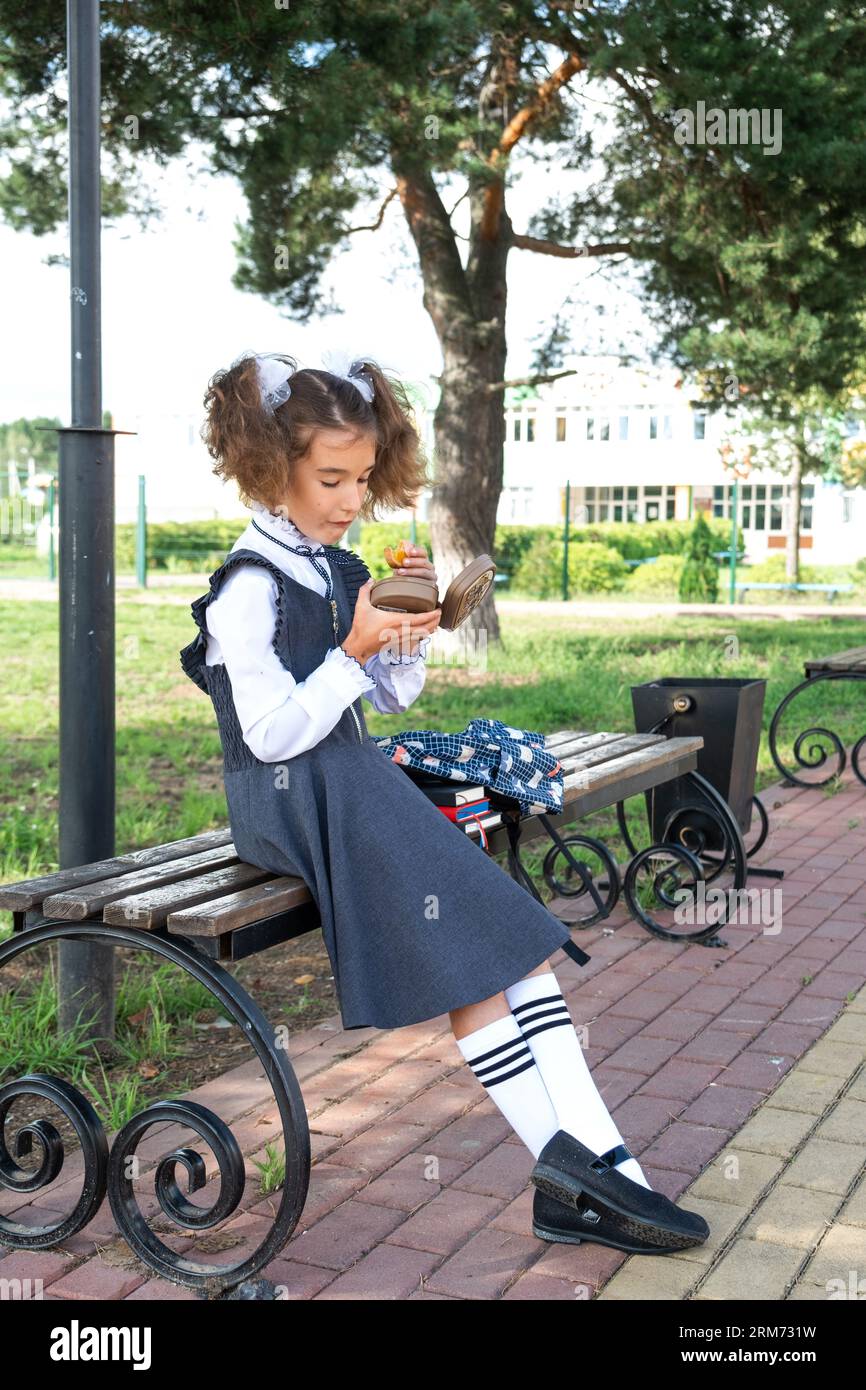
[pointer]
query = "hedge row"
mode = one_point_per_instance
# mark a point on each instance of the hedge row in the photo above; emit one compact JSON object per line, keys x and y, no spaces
{"x":203,"y":545}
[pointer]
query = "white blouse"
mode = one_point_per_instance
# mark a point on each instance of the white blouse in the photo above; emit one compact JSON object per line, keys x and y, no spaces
{"x":280,"y":717}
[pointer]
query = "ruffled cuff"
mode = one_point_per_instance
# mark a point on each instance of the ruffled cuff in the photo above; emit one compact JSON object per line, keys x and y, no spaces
{"x":388,"y":658}
{"x":345,"y":674}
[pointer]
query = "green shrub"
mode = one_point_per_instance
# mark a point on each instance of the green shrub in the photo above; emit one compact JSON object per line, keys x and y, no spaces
{"x":595,"y":569}
{"x":662,"y":577}
{"x":638,"y":540}
{"x":591,"y":569}
{"x":699,"y":581}
{"x":772,"y":571}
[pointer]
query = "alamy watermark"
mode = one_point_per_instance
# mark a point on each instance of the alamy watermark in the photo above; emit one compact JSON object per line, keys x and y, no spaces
{"x":736,"y":126}
{"x":741,"y":906}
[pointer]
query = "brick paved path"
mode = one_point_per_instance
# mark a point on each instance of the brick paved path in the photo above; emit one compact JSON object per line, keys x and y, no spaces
{"x":736,"y":1075}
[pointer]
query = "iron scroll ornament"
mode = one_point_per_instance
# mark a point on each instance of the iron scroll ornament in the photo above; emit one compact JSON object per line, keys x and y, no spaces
{"x":713,"y":807}
{"x":817,"y":755}
{"x":108,"y":1169}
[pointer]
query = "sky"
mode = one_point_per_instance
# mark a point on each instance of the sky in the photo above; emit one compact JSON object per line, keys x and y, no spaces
{"x":171,"y":317}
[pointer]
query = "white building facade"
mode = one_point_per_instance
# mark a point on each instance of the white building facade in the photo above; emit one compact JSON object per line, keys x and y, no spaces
{"x":635,"y":447}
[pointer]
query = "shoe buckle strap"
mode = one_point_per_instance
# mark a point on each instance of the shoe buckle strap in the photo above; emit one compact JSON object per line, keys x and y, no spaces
{"x":618,"y":1154}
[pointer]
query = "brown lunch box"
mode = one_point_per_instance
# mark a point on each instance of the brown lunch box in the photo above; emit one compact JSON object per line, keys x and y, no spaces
{"x":403,"y":593}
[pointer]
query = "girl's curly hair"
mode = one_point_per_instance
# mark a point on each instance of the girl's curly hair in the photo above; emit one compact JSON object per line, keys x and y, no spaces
{"x":259,"y":449}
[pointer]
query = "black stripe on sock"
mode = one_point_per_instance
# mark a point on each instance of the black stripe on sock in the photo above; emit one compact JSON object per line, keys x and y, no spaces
{"x":494,"y":1051}
{"x":495,"y":1080}
{"x":556,"y":1010}
{"x":541,"y":1027}
{"x":490,"y":1068}
{"x":517,"y":1009}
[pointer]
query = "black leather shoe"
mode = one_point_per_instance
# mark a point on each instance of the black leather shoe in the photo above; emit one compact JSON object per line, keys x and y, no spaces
{"x":568,"y":1171}
{"x":573,"y":1225}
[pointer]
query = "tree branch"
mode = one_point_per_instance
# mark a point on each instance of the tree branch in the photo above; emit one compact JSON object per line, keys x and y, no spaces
{"x":374,"y":226}
{"x":552,"y":248}
{"x":516,"y":128}
{"x":529,"y":380}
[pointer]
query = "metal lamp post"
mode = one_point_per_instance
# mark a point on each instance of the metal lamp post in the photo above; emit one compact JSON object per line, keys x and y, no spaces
{"x":738,"y":468}
{"x":86,"y":561}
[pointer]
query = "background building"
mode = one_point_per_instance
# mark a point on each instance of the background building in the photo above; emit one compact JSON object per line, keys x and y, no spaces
{"x":635,"y":447}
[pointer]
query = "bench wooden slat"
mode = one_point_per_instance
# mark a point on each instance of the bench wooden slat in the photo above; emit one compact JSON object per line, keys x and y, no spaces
{"x":90,"y":900}
{"x":608,"y":752}
{"x":607,"y":774}
{"x":573,"y":741}
{"x":149,"y":910}
{"x":239,"y":909}
{"x":852,"y":659}
{"x":30,"y":892}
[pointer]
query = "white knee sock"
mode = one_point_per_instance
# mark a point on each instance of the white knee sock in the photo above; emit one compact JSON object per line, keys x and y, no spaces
{"x":506,"y":1068}
{"x":542,"y":1013}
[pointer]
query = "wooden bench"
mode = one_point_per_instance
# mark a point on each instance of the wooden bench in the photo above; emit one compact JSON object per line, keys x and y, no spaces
{"x":194,"y":903}
{"x":848,"y":665}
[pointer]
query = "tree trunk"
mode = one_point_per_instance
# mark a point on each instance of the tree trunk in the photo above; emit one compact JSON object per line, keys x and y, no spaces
{"x":792,"y":551}
{"x":467,"y":307}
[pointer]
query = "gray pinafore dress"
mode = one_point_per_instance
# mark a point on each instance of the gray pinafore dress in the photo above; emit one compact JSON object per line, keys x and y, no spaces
{"x":416,"y":918}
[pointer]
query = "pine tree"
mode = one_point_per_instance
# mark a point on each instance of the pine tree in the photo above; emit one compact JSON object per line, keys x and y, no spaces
{"x":699,"y":581}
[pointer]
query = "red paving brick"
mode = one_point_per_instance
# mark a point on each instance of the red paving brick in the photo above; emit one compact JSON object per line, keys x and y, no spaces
{"x":420,"y":1189}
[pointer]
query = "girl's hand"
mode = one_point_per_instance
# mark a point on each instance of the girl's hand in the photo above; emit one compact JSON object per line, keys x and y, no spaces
{"x":374,"y":628}
{"x":416,"y":562}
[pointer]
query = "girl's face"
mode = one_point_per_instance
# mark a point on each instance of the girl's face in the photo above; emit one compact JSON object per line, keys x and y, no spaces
{"x":330,"y":484}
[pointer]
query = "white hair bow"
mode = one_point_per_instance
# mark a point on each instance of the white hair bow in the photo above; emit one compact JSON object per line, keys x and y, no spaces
{"x":274,"y":374}
{"x":338,"y":363}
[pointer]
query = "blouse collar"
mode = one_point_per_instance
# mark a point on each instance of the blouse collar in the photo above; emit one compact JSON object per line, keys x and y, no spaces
{"x":282,"y":526}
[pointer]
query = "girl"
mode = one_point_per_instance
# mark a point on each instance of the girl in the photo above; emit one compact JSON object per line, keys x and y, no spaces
{"x":415,"y":920}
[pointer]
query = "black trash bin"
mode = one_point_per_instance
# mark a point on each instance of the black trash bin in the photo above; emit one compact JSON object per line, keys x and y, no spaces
{"x":726,"y":712}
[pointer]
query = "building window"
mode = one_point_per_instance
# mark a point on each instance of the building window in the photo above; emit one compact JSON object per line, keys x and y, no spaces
{"x":623,"y":427}
{"x":654,"y":427}
{"x":699,"y":424}
{"x":560,"y":428}
{"x":519,"y":503}
{"x":530,"y":430}
{"x":847,"y":508}
{"x":761,"y":506}
{"x":633,"y":503}
{"x":517,"y":427}
{"x":604,"y":429}
{"x":590,"y":427}
{"x":666,"y":427}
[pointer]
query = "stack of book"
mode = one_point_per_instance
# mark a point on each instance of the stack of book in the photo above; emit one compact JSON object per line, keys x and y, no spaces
{"x":458,"y":803}
{"x":465,"y":805}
